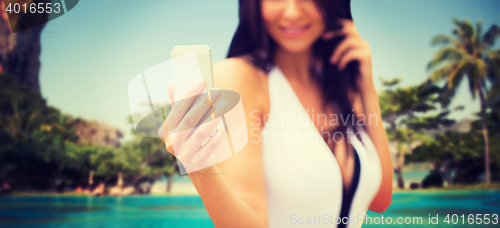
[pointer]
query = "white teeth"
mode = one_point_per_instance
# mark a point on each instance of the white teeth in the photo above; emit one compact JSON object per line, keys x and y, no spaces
{"x":293,"y":29}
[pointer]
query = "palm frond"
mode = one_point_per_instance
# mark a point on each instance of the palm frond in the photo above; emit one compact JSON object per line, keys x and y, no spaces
{"x":390,"y":83}
{"x":442,"y":73}
{"x":495,"y":53}
{"x":492,"y":61}
{"x":451,"y":72}
{"x":491,"y":35}
{"x":465,"y":29}
{"x":451,"y":54}
{"x":477,"y":34}
{"x":444,"y":39}
{"x":476,"y":73}
{"x":473,"y":80}
{"x":456,"y":74}
{"x":481,"y":68}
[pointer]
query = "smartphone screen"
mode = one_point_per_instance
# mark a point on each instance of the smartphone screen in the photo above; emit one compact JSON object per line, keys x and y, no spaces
{"x":189,"y":64}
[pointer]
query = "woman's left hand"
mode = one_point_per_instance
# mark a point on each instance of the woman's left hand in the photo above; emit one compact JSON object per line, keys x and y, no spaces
{"x":352,"y":48}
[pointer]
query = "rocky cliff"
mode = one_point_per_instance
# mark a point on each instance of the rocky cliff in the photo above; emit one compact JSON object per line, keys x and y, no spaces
{"x":95,"y":133}
{"x":20,"y":51}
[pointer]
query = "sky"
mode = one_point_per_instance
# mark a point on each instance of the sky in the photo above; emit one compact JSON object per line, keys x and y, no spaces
{"x":90,"y":54}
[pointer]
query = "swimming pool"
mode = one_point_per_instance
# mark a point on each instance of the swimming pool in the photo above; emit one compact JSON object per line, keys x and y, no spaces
{"x":188,"y":211}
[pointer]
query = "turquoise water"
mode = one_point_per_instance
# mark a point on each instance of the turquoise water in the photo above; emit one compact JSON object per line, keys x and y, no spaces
{"x":188,"y":211}
{"x":442,"y":203}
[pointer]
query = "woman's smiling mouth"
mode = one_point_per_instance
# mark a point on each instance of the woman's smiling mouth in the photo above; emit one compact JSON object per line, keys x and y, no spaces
{"x":294,"y":32}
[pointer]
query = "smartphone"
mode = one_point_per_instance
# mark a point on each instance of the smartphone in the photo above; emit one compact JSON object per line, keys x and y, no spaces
{"x":193,"y":56}
{"x":204,"y":57}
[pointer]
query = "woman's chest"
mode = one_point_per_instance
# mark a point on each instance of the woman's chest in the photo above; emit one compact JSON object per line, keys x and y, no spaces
{"x":323,"y":115}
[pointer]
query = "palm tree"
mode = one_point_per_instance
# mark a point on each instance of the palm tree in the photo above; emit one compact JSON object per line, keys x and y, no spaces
{"x":468,"y":54}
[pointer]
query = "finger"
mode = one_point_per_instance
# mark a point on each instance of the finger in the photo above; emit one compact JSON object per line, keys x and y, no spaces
{"x":332,"y":34}
{"x":170,"y":89}
{"x":165,"y":137}
{"x":199,"y":109}
{"x":202,"y":133}
{"x":348,"y":26}
{"x":341,"y":48}
{"x":219,"y":109}
{"x":205,"y":151}
{"x":349,"y":57}
{"x":180,"y":108}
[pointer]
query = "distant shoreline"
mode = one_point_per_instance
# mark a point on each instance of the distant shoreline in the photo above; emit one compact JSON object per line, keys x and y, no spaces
{"x":480,"y":186}
{"x":453,"y":188}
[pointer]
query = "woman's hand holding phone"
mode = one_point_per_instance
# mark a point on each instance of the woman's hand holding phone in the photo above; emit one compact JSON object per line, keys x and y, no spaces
{"x":193,"y":145}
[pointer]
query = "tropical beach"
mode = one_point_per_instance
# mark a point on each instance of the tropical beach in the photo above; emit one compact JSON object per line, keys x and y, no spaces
{"x":70,"y":155}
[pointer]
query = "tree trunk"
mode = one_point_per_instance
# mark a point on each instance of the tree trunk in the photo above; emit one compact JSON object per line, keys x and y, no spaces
{"x":91,"y":178}
{"x":120,"y":180}
{"x":399,"y":163}
{"x":399,"y":160}
{"x":169,"y":182}
{"x":486,"y":140}
{"x":401,"y":183}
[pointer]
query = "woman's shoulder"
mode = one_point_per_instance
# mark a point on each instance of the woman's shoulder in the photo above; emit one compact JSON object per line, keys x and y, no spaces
{"x":238,"y":70}
{"x":240,"y":75}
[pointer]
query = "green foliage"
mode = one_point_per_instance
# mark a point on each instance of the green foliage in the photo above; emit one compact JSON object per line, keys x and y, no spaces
{"x":399,"y":106}
{"x":38,"y":147}
{"x":430,"y":122}
{"x":460,"y":153}
{"x":32,"y":137}
{"x":155,"y":160}
{"x":25,"y":114}
{"x":400,"y":102}
{"x":153,"y":149}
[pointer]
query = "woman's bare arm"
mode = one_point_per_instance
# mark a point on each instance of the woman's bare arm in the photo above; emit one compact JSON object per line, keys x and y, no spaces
{"x":366,"y":104}
{"x":354,"y":48}
{"x":233,"y":191}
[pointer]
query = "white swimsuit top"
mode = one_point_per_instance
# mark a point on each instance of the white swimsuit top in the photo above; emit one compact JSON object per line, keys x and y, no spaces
{"x":304,"y":185}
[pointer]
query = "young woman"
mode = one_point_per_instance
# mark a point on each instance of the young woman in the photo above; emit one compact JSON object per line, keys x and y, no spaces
{"x":289,"y":59}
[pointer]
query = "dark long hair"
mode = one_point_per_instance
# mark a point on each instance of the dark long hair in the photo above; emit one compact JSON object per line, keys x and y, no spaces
{"x":251,"y":40}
